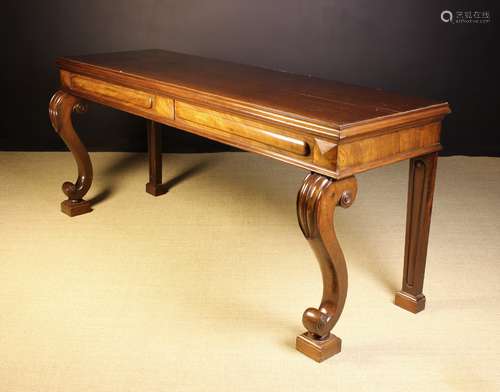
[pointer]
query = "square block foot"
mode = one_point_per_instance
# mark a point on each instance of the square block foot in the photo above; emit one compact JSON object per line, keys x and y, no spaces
{"x":410,"y":302}
{"x":156,"y":190}
{"x":74,"y":208}
{"x":319,"y":350}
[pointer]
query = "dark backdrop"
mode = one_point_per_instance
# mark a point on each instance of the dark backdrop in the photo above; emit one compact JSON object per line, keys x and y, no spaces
{"x":397,"y":45}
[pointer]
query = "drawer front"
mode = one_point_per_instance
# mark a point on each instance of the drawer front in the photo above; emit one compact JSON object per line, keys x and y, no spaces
{"x":156,"y":107}
{"x":114,"y":92}
{"x":234,"y":125}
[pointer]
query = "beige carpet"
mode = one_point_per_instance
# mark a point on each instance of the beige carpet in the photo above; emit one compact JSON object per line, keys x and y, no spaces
{"x":203,"y":289}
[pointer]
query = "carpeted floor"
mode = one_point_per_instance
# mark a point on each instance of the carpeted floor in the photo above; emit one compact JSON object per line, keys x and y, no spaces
{"x":203,"y":289}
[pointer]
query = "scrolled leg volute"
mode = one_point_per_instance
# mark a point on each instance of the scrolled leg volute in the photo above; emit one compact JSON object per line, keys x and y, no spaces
{"x":61,"y":107}
{"x":316,"y":204}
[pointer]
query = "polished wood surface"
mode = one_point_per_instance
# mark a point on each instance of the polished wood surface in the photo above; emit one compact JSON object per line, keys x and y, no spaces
{"x":113,"y":92}
{"x":328,"y":127}
{"x":240,"y":127}
{"x":418,"y":220}
{"x":61,"y":106}
{"x":316,"y":202}
{"x":332,"y":129}
{"x":333,"y":104}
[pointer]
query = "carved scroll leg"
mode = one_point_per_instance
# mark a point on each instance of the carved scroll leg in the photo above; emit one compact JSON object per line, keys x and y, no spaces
{"x":154,"y":186}
{"x":316,"y":204}
{"x":418,"y":220}
{"x":61,"y":107}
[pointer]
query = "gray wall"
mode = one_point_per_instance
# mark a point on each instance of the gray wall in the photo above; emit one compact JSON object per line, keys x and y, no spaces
{"x":398,"y":45}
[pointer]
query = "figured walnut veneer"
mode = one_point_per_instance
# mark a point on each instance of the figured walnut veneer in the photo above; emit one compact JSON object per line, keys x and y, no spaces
{"x":231,"y":125}
{"x":113,"y":92}
{"x":120,"y":97}
{"x":332,"y":129}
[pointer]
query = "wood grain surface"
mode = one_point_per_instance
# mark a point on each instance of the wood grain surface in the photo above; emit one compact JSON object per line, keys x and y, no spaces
{"x":324,"y":126}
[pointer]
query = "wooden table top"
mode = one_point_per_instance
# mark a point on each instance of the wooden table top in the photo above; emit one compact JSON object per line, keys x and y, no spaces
{"x":334,"y":105}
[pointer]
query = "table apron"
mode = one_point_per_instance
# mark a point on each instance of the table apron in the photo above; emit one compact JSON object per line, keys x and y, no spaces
{"x":329,"y":156}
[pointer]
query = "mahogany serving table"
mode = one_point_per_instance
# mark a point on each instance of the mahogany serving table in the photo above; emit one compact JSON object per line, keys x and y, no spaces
{"x":332,"y":129}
